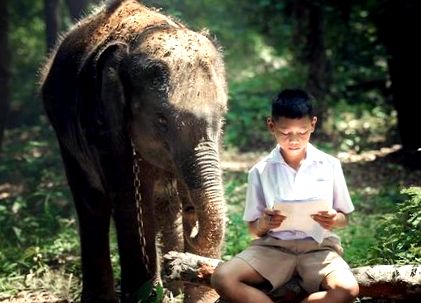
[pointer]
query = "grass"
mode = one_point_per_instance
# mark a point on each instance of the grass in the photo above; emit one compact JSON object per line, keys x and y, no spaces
{"x":39,"y":247}
{"x":357,"y":238}
{"x":38,"y":240}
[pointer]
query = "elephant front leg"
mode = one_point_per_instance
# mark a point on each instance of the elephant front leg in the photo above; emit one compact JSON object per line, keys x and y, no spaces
{"x":168,"y":210}
{"x":136,"y":245}
{"x":168,"y":221}
{"x":134,"y":221}
{"x":192,"y":293}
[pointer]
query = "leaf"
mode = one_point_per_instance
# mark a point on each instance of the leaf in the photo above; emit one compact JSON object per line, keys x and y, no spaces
{"x":145,"y":293}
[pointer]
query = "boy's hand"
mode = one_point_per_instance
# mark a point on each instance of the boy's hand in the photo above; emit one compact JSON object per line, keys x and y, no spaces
{"x":327,"y":219}
{"x":270,"y":219}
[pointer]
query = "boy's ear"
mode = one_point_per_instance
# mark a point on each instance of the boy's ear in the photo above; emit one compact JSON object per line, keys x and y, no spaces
{"x":270,"y":124}
{"x":313,"y":122}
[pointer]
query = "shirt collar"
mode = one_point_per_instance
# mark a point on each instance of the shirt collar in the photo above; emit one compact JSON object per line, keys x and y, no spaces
{"x":312,"y":155}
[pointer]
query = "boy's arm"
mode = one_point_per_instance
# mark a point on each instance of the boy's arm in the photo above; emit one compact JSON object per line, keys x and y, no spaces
{"x":270,"y":219}
{"x":341,"y":197}
{"x":331,"y":219}
{"x":257,"y":229}
{"x":341,"y":220}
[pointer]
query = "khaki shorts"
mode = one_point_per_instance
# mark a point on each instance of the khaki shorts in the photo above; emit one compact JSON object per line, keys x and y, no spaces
{"x":279,"y":260}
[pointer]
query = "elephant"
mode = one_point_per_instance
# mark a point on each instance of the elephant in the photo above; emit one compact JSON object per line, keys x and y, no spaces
{"x":137,"y":102}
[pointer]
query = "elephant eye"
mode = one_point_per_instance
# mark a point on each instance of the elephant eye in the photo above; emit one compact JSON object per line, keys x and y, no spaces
{"x":162,"y":122}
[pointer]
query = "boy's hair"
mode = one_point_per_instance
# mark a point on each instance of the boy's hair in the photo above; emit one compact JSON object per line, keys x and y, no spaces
{"x":293,"y":104}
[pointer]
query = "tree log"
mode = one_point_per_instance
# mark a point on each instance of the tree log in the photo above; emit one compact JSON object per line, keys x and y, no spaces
{"x":389,"y":282}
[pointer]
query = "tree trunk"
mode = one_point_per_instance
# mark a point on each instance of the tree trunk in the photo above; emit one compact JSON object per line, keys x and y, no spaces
{"x":4,"y":68}
{"x":76,"y":8}
{"x":51,"y":22}
{"x":318,"y":71}
{"x":386,"y":282}
{"x":398,"y":23}
{"x":308,"y":36}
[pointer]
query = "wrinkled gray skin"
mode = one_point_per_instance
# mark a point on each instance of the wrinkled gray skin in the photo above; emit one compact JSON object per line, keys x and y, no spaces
{"x":130,"y":73}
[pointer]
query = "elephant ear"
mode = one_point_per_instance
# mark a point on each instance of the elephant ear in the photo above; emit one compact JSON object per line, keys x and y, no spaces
{"x":106,"y":106}
{"x":99,"y":127}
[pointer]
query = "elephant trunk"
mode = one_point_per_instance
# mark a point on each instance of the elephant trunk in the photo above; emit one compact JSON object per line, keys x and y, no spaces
{"x":203,"y":177}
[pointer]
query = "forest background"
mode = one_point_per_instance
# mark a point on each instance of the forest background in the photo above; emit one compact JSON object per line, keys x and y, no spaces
{"x":358,"y":58}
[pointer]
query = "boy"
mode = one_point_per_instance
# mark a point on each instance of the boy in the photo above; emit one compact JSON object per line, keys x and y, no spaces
{"x":294,"y":170}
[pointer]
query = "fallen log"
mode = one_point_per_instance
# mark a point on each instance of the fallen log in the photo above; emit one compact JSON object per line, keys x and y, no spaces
{"x":386,"y":282}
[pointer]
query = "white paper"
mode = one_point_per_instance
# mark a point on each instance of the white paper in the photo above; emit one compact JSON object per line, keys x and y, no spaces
{"x":298,"y":216}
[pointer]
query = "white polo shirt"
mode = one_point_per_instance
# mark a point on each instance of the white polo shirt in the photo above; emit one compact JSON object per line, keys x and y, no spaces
{"x":320,"y":176}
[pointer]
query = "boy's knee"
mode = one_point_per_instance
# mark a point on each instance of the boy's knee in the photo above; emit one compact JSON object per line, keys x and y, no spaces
{"x":219,"y":279}
{"x":353,"y":290}
{"x":347,"y":293}
{"x":343,"y":286}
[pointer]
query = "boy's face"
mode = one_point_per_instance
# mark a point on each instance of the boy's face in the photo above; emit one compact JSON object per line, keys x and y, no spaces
{"x":292,"y":134}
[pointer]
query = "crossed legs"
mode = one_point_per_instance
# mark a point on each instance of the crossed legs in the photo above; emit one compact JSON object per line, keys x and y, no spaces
{"x":236,"y":281}
{"x":341,"y":287}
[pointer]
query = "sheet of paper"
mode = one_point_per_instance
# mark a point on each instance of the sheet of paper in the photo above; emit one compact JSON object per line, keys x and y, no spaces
{"x":298,"y":216}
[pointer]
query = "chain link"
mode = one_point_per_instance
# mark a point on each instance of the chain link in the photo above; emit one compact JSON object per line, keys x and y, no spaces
{"x":138,"y":199}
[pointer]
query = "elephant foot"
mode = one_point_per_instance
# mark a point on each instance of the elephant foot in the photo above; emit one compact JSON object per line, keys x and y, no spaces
{"x":89,"y":297}
{"x":176,"y":288}
{"x":147,"y":295}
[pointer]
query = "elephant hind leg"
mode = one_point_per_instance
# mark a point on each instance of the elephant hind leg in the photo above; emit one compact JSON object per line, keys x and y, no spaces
{"x":94,"y":215}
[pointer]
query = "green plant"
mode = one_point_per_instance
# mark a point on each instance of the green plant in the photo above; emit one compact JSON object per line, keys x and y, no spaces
{"x":250,"y":104}
{"x":149,"y":293}
{"x":359,"y":127}
{"x":237,"y":237}
{"x":399,"y":233}
{"x":358,"y":237}
{"x":38,"y":239}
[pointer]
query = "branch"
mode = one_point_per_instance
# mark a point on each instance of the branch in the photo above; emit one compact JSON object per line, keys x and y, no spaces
{"x":391,"y":282}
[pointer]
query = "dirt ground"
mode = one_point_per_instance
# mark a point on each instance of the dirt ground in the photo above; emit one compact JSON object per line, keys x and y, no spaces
{"x":371,"y":169}
{"x":374,"y":168}
{"x":31,"y":296}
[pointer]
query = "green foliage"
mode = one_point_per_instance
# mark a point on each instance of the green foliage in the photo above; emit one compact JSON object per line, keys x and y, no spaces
{"x":399,"y":233}
{"x":237,"y":236}
{"x":246,"y":122}
{"x":358,"y":237}
{"x":149,"y":293}
{"x":359,"y":126}
{"x":359,"y":68}
{"x":374,"y":201}
{"x":38,"y":237}
{"x":27,"y":43}
{"x":38,"y":240}
{"x":250,"y":105}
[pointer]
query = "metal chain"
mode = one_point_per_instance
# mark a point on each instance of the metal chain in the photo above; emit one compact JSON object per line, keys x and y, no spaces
{"x":138,"y":199}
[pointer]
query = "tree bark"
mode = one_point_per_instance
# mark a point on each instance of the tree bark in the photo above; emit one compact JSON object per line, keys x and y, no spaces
{"x":308,"y":36}
{"x":51,"y":22}
{"x":398,"y":23}
{"x":318,"y":80}
{"x":4,"y":68}
{"x":387,"y":282}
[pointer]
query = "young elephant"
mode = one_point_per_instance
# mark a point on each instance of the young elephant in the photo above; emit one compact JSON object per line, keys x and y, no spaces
{"x":128,"y":80}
